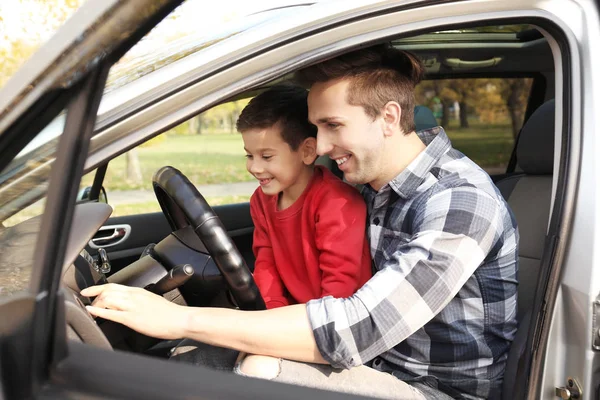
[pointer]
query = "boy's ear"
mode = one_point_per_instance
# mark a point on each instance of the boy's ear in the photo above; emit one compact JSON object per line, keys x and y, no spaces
{"x":308,"y":149}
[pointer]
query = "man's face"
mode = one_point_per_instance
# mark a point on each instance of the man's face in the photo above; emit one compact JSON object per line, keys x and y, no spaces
{"x":271,"y":160}
{"x":345,"y":132}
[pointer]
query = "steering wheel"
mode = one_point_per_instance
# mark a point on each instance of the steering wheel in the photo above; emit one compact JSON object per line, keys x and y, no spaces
{"x":183,"y":205}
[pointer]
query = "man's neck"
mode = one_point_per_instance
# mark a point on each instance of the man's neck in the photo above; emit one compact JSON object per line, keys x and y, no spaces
{"x":399,"y":153}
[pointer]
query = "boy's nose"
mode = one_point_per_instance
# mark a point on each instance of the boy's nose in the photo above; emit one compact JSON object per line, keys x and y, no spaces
{"x":255,"y":167}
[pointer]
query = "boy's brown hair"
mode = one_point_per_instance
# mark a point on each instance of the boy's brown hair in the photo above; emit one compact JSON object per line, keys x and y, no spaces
{"x":284,"y":106}
{"x":378,"y":74}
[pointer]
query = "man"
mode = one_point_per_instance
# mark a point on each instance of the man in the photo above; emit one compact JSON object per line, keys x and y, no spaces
{"x":438,"y":317}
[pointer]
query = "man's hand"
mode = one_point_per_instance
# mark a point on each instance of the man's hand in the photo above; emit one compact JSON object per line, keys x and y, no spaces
{"x":139,"y":309}
{"x":284,"y":332}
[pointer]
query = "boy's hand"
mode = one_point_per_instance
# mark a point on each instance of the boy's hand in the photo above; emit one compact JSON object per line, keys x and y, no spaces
{"x":138,"y":309}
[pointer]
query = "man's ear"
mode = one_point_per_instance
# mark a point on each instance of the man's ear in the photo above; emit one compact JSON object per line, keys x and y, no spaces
{"x":391,"y":114}
{"x":308,"y":149}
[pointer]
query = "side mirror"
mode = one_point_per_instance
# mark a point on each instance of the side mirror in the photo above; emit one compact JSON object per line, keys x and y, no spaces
{"x":84,"y":195}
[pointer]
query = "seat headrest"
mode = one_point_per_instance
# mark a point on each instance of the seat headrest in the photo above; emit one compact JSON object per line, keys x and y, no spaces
{"x":424,"y":118}
{"x":535,"y":149}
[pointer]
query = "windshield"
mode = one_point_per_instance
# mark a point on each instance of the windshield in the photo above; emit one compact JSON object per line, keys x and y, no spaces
{"x":26,"y":177}
{"x":23,"y":185}
{"x":194,"y":26}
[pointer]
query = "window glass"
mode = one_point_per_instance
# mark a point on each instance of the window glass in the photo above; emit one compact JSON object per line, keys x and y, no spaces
{"x":23,"y":186}
{"x":482,"y":117}
{"x":25,"y":25}
{"x":194,"y":27}
{"x":206,"y":148}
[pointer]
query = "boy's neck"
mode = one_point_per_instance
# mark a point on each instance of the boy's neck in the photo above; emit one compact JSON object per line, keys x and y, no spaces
{"x":289,"y":196}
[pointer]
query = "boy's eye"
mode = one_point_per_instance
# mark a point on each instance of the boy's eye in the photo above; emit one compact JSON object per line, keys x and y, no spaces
{"x":267,"y":157}
{"x":333,"y":125}
{"x":249,"y":156}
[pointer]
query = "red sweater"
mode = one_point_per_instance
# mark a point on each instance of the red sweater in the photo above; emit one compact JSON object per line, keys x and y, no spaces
{"x":314,"y":248}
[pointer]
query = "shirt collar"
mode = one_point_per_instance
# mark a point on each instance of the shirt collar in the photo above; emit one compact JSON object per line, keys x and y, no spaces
{"x":407,"y":181}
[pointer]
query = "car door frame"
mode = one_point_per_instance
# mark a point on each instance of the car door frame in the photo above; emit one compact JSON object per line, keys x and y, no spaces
{"x":29,"y":320}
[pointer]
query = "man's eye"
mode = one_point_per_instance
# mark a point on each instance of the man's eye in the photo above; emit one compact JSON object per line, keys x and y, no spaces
{"x":333,"y":125}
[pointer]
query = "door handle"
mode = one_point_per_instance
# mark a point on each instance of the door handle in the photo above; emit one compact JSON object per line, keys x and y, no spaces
{"x":110,"y":235}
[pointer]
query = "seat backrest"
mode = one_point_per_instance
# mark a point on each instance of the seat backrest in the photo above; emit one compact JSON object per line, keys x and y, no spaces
{"x":529,"y":196}
{"x":424,"y":119}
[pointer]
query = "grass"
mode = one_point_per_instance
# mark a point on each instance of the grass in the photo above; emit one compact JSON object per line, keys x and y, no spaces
{"x":487,"y":145}
{"x":204,"y":159}
{"x":219,"y":158}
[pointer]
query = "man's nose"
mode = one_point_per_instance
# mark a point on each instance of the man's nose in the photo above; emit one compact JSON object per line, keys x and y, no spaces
{"x":324,"y":145}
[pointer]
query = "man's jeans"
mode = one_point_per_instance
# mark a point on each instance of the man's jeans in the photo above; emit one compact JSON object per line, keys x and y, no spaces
{"x":361,"y":380}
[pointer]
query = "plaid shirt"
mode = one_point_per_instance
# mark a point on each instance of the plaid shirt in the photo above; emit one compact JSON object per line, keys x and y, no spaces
{"x":441,"y":307}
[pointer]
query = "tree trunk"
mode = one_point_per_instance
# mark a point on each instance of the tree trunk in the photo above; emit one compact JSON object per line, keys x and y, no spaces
{"x":134,"y":172}
{"x":445,"y":114}
{"x":196,"y":125}
{"x":514,"y":108}
{"x":464,"y":121}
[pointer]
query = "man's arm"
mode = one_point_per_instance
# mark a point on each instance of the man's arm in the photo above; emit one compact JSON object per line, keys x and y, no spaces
{"x":283,"y":332}
{"x":417,"y":278}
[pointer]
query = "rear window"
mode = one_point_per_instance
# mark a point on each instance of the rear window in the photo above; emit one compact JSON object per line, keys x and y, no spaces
{"x":482,"y":117}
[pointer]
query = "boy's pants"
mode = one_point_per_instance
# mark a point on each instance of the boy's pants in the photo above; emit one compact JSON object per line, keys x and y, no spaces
{"x":363,"y":380}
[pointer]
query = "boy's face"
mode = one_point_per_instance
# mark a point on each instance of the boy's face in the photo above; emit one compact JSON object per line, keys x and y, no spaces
{"x":271,"y":160}
{"x":345,"y":132}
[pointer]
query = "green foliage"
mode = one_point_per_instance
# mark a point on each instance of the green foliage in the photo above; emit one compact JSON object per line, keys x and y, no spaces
{"x":488,"y":145}
{"x":488,"y":100}
{"x":17,"y":46}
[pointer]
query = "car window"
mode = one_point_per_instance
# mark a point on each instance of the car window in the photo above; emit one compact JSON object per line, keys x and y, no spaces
{"x":482,"y":117}
{"x":25,"y":26}
{"x":206,"y":148}
{"x":23,"y":185}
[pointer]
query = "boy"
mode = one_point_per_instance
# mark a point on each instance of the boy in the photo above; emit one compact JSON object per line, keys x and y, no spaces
{"x":309,"y":238}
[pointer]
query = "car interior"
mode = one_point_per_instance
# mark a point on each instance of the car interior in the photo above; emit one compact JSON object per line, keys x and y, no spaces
{"x":212,"y":266}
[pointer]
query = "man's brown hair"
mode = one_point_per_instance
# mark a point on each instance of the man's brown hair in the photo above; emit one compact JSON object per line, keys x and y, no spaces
{"x":378,"y":74}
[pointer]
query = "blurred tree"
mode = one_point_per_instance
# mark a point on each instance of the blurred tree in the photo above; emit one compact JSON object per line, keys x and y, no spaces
{"x":516,"y":92}
{"x":491,"y":100}
{"x":223,"y":117}
{"x":29,"y":24}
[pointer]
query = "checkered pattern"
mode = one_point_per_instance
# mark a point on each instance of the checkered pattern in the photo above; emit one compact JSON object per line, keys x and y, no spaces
{"x":441,"y":307}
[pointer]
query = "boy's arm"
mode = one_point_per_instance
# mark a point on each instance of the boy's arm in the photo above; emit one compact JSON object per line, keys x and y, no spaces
{"x":340,"y":238}
{"x":266,"y":276}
